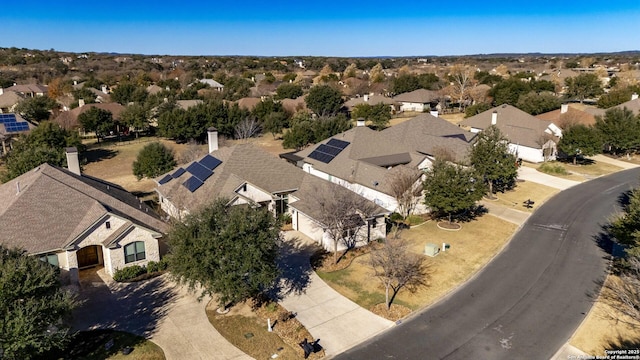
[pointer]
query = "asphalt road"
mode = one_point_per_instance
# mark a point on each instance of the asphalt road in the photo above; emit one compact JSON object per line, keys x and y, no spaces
{"x":530,"y":299}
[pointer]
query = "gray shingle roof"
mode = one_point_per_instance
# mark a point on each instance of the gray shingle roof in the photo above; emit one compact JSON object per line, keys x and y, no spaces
{"x":516,"y":125}
{"x":421,"y":96}
{"x":54,"y":206}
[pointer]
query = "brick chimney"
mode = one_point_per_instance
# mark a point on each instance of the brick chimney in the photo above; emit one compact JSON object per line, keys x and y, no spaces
{"x":494,"y":118}
{"x":564,"y":108}
{"x":360,"y":122}
{"x":212,"y":139}
{"x":72,"y":160}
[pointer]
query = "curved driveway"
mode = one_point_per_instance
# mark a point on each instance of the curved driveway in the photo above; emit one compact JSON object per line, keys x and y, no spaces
{"x":528,"y":301}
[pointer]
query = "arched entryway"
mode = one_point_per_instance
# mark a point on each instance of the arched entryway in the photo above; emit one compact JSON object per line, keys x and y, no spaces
{"x":89,"y":256}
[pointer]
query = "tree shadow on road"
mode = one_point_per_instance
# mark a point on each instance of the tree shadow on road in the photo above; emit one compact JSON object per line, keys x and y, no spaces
{"x":295,"y":268}
{"x":133,"y":307}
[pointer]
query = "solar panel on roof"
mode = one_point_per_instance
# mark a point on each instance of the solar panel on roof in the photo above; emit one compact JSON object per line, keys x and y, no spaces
{"x":192,"y":184}
{"x":165,"y":179}
{"x":329,"y":149}
{"x":177,"y":173}
{"x":340,"y":144}
{"x":199,"y":171}
{"x":16,"y":127}
{"x":325,"y":158}
{"x":210,"y":162}
{"x":7,"y":118}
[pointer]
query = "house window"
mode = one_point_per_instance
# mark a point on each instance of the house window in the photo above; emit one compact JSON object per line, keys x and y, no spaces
{"x":51,"y":259}
{"x":134,"y":252}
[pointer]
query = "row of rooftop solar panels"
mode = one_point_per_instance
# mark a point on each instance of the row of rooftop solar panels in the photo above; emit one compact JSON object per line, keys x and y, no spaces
{"x":16,"y":127}
{"x":200,"y":171}
{"x":7,"y":118}
{"x":327,"y":152}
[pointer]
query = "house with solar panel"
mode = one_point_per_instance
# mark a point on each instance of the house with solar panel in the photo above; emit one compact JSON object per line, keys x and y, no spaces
{"x":75,"y":221}
{"x":12,"y":125}
{"x":367,"y":162}
{"x":247,"y":175}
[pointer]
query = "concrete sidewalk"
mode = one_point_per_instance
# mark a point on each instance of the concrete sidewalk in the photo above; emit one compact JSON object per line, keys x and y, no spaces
{"x":505,"y":213}
{"x":338,"y":322}
{"x":569,"y":352}
{"x":605,"y":159}
{"x":533,"y":175}
{"x":157,"y":309}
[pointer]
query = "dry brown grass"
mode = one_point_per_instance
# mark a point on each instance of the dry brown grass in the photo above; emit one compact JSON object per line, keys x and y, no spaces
{"x":262,"y":344}
{"x":582,"y":172}
{"x":455,"y":119}
{"x":448,"y":270}
{"x":523,"y":191}
{"x":604,"y":328}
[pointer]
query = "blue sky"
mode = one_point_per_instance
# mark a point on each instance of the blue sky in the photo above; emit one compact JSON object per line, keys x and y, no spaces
{"x":329,"y":28}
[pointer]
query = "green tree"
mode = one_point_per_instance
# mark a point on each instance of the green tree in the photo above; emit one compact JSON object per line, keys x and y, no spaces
{"x":98,"y":120}
{"x":288,"y":91}
{"x":405,"y":83}
{"x":153,"y":160}
{"x":580,"y":140}
{"x":379,"y":114}
{"x":509,"y":91}
{"x":325,"y":127}
{"x":33,"y":306}
{"x":84,"y":94}
{"x":324,"y":100}
{"x":265,"y":108}
{"x":493,"y":161}
{"x":37,"y":108}
{"x":583,"y":86}
{"x":476,"y":109}
{"x":135,"y":116}
{"x":300,"y":133}
{"x":626,"y":227}
{"x":537,"y":103}
{"x":619,"y":129}
{"x":451,"y":188}
{"x":275,"y":122}
{"x":44,"y":144}
{"x":123,"y":93}
{"x":230,"y":251}
{"x":617,"y":96}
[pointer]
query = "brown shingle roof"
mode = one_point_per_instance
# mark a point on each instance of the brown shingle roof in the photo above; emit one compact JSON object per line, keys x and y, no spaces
{"x":372,"y":100}
{"x":54,"y":206}
{"x":421,"y":96}
{"x":571,"y":117}
{"x":9,"y":99}
{"x":28,"y":89}
{"x":69,"y":119}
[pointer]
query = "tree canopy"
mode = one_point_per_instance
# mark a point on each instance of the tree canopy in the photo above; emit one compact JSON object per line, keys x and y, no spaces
{"x":580,"y":140}
{"x":230,"y":251}
{"x":619,"y":129}
{"x":98,"y":120}
{"x":37,"y":108}
{"x":33,"y":306}
{"x":135,"y":116}
{"x":324,"y":100}
{"x":288,"y":91}
{"x":409,"y":82}
{"x":493,"y":161}
{"x":537,"y":103}
{"x":379,"y":114}
{"x":44,"y":144}
{"x":451,"y":188}
{"x":583,"y":86}
{"x":153,"y":160}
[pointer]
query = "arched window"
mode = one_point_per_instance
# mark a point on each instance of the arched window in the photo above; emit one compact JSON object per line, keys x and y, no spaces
{"x":134,"y":252}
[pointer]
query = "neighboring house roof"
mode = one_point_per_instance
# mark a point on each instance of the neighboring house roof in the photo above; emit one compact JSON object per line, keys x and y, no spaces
{"x":633,"y":105}
{"x":369,"y":99}
{"x":248,"y":103}
{"x":294,"y":105}
{"x":186,"y":104}
{"x":12,"y":124}
{"x":420,"y":96}
{"x":48,"y":207}
{"x":516,"y":125}
{"x":9,"y":99}
{"x":212,"y":83}
{"x":28,"y":89}
{"x":372,"y":157}
{"x":571,"y":116}
{"x":239,"y":163}
{"x":101,"y":96}
{"x":69,"y":119}
{"x":154,"y":89}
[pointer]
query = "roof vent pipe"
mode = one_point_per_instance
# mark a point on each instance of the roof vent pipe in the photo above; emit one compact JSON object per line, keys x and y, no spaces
{"x":494,"y":118}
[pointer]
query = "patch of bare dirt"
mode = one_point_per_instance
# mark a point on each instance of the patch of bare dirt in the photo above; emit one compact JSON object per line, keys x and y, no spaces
{"x":395,"y":313}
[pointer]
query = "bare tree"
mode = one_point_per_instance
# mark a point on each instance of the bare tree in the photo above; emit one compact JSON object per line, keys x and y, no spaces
{"x":397,"y":267}
{"x":622,"y":294}
{"x":406,"y":189}
{"x":192,"y":152}
{"x":342,"y":214}
{"x":247,"y":128}
{"x":461,"y":77}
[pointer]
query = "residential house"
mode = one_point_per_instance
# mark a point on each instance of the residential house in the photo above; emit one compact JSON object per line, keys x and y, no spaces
{"x":373,"y":100}
{"x":418,"y":100}
{"x":154,"y":89}
{"x":75,"y":221}
{"x":10,"y":126}
{"x":367,"y":162}
{"x":28,"y":90}
{"x":246,"y":175}
{"x":69,"y":119}
{"x":567,"y":116}
{"x":633,"y":105}
{"x":8,"y":101}
{"x":531,"y":139}
{"x":213,"y":84}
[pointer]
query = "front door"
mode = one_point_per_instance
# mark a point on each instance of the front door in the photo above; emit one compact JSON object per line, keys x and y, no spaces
{"x":88,"y":256}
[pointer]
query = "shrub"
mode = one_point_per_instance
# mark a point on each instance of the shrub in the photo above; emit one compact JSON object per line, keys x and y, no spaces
{"x":553,"y":168}
{"x":128,"y":273}
{"x":154,"y":266}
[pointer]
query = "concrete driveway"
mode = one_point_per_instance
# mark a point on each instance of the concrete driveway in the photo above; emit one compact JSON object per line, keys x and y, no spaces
{"x":533,"y":175}
{"x":157,"y":309}
{"x":338,"y":322}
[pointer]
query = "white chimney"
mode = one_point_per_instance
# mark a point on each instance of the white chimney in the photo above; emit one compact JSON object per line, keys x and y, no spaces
{"x":494,"y":118}
{"x":72,"y":160}
{"x":75,"y":82}
{"x":434,"y":113}
{"x":1,"y":91}
{"x":104,"y":89}
{"x":212,"y":139}
{"x":634,"y":96}
{"x":80,"y":102}
{"x":360,"y":121}
{"x":366,"y":97}
{"x":564,"y":108}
